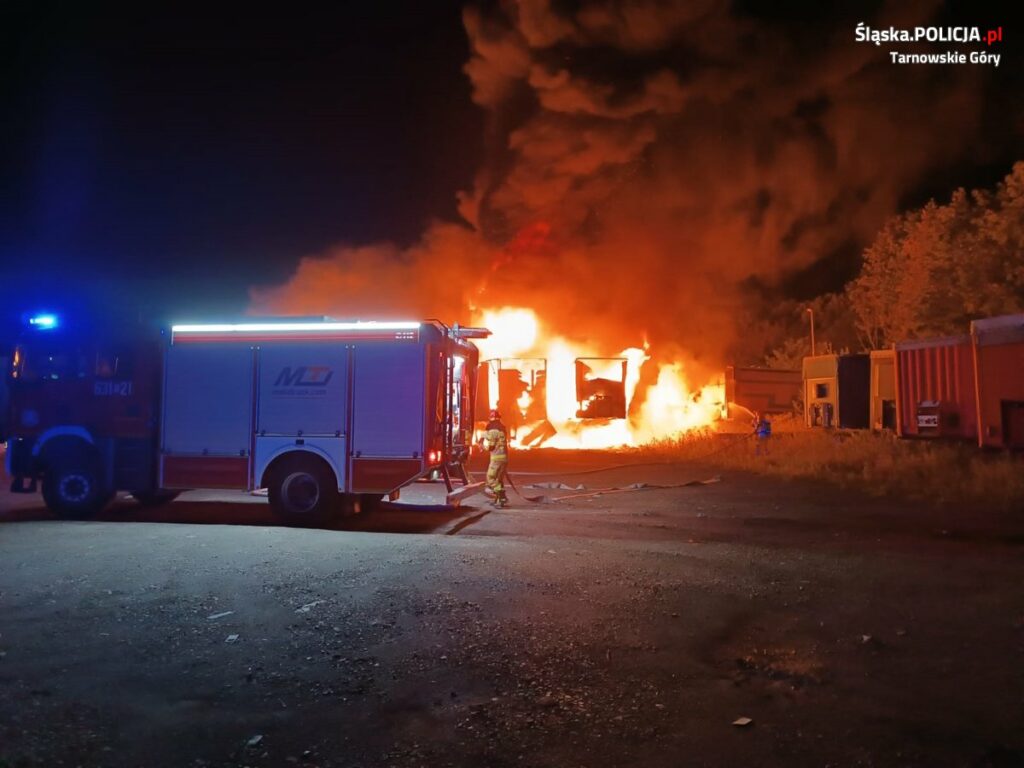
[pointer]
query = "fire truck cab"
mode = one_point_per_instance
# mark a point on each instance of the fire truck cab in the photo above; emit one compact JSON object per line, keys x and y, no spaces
{"x":323,"y":414}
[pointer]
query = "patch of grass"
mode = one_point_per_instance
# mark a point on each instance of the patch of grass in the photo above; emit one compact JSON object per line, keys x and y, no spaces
{"x":876,"y":463}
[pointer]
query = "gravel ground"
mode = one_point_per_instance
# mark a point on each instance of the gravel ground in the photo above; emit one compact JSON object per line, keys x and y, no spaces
{"x":619,"y":629}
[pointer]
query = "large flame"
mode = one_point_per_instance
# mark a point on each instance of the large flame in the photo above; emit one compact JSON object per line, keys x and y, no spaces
{"x":667,"y":407}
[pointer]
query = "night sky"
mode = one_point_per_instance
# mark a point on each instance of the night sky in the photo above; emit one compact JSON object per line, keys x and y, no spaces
{"x":167,"y":162}
{"x":174,"y":159}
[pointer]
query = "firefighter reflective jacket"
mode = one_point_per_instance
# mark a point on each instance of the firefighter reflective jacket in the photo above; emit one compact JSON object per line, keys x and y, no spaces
{"x":496,"y":440}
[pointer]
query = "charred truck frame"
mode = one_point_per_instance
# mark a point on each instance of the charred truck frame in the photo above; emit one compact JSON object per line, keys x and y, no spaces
{"x":323,"y":414}
{"x":604,"y":396}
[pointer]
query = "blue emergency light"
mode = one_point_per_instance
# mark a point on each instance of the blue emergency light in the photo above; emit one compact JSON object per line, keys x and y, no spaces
{"x":44,"y":322}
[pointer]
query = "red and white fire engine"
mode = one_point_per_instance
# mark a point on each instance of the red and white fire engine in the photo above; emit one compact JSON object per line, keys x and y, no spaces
{"x":321,"y":413}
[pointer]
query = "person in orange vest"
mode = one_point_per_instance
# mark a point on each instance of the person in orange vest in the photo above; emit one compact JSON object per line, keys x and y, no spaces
{"x":495,"y":440}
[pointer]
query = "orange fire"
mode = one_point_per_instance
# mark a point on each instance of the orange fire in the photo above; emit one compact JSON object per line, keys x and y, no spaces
{"x":668,"y":407}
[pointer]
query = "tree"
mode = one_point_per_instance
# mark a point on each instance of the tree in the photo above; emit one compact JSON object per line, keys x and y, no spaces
{"x":834,"y":331}
{"x":932,"y":270}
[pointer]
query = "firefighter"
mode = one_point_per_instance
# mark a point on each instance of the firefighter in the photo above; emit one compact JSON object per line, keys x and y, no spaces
{"x":762,"y":431}
{"x":495,"y":440}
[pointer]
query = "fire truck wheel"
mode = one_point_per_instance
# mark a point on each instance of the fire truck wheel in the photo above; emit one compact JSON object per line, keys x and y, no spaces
{"x":302,"y":489}
{"x":72,"y":489}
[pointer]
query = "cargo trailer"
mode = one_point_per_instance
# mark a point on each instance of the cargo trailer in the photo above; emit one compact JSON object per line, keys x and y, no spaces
{"x":998,"y":346}
{"x":935,"y":395}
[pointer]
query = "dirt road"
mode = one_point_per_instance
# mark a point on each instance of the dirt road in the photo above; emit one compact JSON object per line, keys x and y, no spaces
{"x":622,"y":629}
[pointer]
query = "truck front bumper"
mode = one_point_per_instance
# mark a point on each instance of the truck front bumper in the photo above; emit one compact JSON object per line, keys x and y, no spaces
{"x":20,"y":463}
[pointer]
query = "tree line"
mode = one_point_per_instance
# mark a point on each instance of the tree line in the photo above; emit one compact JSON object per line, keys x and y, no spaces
{"x":929,"y":272}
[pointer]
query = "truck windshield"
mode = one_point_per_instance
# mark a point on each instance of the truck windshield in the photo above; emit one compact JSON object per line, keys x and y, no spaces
{"x":46,"y":363}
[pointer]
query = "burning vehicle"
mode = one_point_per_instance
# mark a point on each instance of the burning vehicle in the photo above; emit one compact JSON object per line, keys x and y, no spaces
{"x":517,"y":389}
{"x":601,"y":387}
{"x":560,"y":393}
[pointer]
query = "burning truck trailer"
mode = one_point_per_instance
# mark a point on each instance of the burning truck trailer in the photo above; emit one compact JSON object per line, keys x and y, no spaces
{"x":517,"y":389}
{"x":324,"y":414}
{"x":568,"y":392}
{"x":601,"y":387}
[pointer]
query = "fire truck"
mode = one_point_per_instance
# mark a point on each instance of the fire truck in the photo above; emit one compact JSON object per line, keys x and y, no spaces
{"x":323,"y":414}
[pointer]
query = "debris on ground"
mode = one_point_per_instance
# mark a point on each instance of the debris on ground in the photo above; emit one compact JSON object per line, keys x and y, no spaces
{"x":231,"y":639}
{"x":221,"y":615}
{"x":742,"y":722}
{"x":796,"y":665}
{"x":581,"y":491}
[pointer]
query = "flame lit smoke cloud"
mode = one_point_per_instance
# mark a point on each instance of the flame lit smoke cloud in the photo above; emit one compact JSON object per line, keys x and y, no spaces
{"x":651,"y":161}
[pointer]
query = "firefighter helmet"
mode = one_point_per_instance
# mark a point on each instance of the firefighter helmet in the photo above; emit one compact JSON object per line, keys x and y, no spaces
{"x":495,"y":414}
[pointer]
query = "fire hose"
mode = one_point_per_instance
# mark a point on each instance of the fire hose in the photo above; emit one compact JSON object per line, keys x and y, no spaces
{"x":633,"y":487}
{"x":531,"y":499}
{"x":511,"y":482}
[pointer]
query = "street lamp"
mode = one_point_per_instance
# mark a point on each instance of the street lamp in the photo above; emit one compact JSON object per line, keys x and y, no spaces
{"x":811,"y":313}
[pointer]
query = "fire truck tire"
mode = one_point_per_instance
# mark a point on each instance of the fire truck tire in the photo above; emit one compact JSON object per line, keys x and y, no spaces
{"x":73,"y":489}
{"x":150,"y":499}
{"x":302,"y":489}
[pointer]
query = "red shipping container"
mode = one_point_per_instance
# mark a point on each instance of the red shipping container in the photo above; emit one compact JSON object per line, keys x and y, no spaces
{"x":999,"y":373}
{"x":935,"y":395}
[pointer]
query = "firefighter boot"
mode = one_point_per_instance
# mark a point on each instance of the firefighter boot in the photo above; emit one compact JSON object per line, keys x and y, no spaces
{"x":500,"y":500}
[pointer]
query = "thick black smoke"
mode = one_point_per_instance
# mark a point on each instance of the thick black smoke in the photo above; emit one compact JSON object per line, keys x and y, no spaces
{"x":655,"y":162}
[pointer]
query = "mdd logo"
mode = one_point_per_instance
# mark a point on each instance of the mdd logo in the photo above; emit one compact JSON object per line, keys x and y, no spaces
{"x":304,"y":376}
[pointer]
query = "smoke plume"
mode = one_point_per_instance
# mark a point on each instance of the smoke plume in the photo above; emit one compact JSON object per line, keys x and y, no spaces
{"x":655,"y":160}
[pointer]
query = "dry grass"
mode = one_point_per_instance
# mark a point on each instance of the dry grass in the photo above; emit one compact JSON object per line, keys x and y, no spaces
{"x":879,"y":464}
